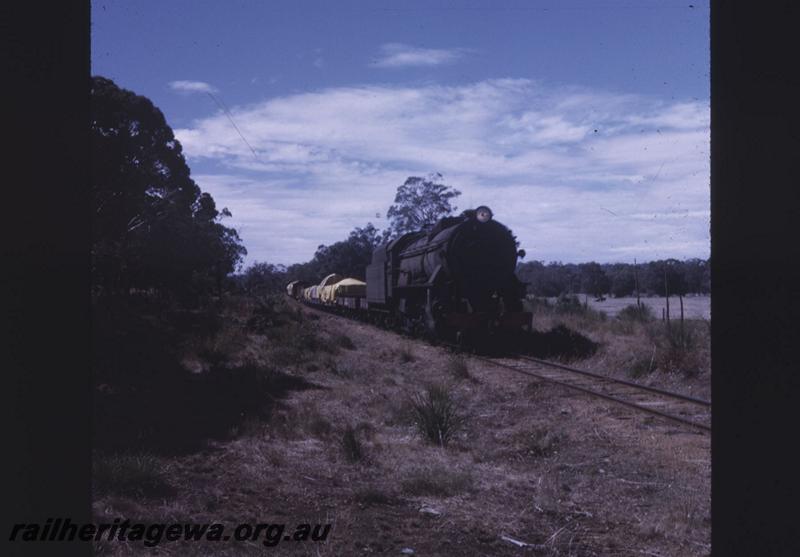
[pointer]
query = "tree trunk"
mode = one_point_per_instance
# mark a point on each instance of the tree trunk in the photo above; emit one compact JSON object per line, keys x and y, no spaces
{"x":636,"y":283}
{"x":683,"y":342}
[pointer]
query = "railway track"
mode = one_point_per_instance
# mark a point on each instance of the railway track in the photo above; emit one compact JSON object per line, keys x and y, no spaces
{"x":676,"y":407}
{"x":683,"y":409}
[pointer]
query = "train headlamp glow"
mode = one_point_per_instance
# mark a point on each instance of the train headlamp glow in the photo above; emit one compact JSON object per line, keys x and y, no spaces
{"x":483,"y":213}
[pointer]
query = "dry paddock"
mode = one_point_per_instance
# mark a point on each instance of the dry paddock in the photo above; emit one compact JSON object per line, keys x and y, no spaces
{"x":534,"y":469}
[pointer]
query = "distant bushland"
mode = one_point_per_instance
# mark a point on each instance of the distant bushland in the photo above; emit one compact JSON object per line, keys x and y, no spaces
{"x":691,"y":276}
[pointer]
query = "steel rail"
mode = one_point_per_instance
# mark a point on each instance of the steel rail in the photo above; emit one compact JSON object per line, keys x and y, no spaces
{"x":577,"y":387}
{"x":597,"y":394}
{"x":662,"y":392}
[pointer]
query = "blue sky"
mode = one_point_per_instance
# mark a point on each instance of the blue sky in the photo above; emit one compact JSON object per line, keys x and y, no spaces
{"x":584,"y":125}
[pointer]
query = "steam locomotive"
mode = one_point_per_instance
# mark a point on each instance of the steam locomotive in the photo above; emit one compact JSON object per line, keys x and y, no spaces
{"x":456,"y":281}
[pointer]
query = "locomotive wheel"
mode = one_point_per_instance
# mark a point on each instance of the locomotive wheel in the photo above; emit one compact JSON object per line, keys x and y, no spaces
{"x":433,"y":319}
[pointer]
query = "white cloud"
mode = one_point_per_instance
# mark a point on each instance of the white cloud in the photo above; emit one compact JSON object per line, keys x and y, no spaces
{"x":397,"y":55}
{"x":330,"y":159}
{"x":192,"y":87}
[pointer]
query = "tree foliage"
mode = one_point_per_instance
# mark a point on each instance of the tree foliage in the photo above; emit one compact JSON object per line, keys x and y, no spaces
{"x":618,"y":279}
{"x":548,"y":280}
{"x":419,"y":204}
{"x":594,"y":280}
{"x":153,"y":228}
{"x":348,"y":257}
{"x":667,"y":276}
{"x":623,"y":280}
{"x":262,"y":278}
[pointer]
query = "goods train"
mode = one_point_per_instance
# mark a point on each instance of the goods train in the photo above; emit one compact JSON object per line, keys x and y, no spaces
{"x":456,"y":281}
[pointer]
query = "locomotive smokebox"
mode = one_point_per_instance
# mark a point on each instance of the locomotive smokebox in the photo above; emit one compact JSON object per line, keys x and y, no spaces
{"x":467,"y":263}
{"x":458,"y":276}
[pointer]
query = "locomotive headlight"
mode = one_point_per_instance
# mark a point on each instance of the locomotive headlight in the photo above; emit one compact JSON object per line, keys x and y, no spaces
{"x":483,"y":213}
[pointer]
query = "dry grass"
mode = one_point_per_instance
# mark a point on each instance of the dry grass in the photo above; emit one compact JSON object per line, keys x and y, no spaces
{"x":644,"y":349}
{"x":134,"y":475}
{"x":642,"y":367}
{"x":552,"y":468}
{"x":459,"y":367}
{"x":372,"y":495}
{"x":405,"y":353}
{"x":437,"y":480}
{"x":642,"y":313}
{"x":301,"y":421}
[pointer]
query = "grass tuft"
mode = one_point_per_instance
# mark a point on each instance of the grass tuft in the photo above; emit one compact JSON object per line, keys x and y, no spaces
{"x":332,"y":366}
{"x":343,"y":341}
{"x":458,"y":367}
{"x":436,"y":415}
{"x":641,"y":367}
{"x":678,"y":347}
{"x":314,"y":422}
{"x":539,"y":442}
{"x":570,"y":304}
{"x":351,"y":446}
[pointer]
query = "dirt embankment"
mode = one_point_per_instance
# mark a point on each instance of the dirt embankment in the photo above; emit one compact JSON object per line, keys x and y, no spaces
{"x":529,"y":468}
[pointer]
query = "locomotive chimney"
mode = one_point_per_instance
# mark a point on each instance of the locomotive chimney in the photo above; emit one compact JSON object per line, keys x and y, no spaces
{"x":483,"y":213}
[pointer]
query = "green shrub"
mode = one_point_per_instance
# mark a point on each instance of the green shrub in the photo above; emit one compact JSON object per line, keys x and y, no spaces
{"x":272,"y":311}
